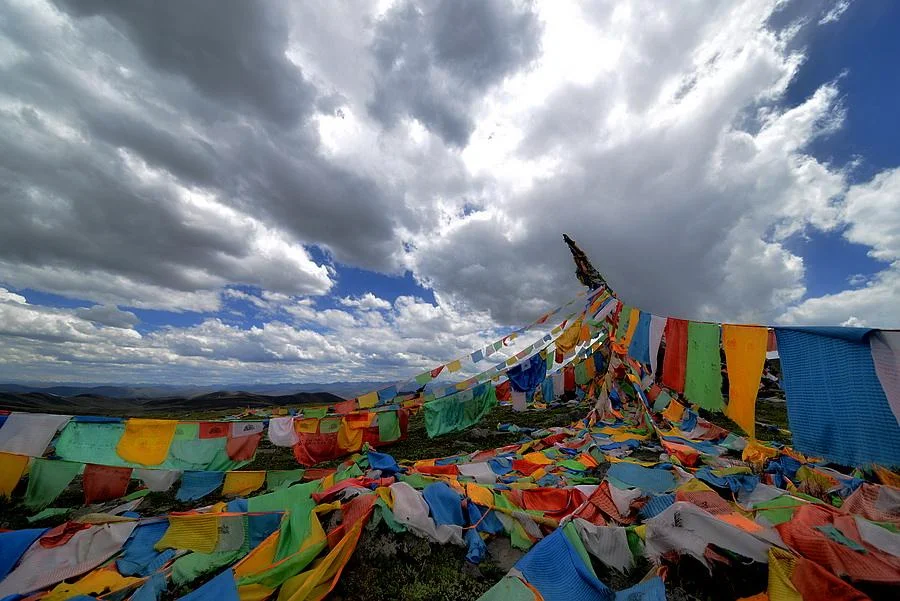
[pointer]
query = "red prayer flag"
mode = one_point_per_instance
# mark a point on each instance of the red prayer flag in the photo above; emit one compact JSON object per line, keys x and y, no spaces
{"x":104,"y":483}
{"x":345,"y":407}
{"x":675,"y":361}
{"x":214,"y":429}
{"x":242,"y":448}
{"x":568,"y":378}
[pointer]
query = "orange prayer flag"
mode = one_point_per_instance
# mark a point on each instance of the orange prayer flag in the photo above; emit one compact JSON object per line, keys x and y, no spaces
{"x":745,"y":356}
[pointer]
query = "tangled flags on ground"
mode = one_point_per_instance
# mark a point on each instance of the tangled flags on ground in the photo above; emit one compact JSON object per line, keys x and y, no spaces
{"x":575,"y":498}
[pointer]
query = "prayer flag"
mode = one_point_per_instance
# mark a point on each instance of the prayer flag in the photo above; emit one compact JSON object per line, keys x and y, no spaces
{"x":745,"y":357}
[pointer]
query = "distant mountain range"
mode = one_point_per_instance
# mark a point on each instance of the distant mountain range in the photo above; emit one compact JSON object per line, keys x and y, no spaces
{"x":154,"y":391}
{"x":104,"y":399}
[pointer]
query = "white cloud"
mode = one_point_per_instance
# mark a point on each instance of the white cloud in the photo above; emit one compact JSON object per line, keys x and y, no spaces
{"x":870,"y":213}
{"x":366,"y":301}
{"x":835,"y":12}
{"x":656,"y":134}
{"x":108,"y":315}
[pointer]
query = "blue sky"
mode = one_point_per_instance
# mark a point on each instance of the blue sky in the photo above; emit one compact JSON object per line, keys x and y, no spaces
{"x":381,"y":192}
{"x":855,"y":50}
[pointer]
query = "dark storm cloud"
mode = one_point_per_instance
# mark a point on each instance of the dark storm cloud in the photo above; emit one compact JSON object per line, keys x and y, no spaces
{"x":229,"y":49}
{"x":124,"y":108}
{"x":435,"y":61}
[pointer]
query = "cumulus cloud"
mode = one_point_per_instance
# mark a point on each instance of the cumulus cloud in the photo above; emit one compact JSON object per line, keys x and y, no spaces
{"x":435,"y":60}
{"x":229,"y":161}
{"x":108,"y":315}
{"x":76,"y":344}
{"x":366,"y":301}
{"x":870,"y":214}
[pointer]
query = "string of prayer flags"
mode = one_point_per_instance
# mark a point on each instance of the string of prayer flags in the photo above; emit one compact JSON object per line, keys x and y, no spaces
{"x":745,"y":358}
{"x":703,"y":376}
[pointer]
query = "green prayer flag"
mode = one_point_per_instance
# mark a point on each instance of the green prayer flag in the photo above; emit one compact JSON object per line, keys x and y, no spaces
{"x":138,"y":494}
{"x":624,"y":317}
{"x":298,"y":503}
{"x":388,"y":426}
{"x":453,"y":413}
{"x":703,"y":380}
{"x":192,"y":566}
{"x":575,"y":540}
{"x":278,"y":479}
{"x":351,"y":472}
{"x":417,"y":481}
{"x":47,"y":479}
{"x":510,"y":588}
{"x":49,"y":512}
{"x":315,"y":412}
{"x":423,"y":378}
{"x":581,"y":374}
{"x":383,"y":512}
{"x":329,"y":425}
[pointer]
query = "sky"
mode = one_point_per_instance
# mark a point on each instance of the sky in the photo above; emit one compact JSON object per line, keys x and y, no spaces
{"x":222,"y":191}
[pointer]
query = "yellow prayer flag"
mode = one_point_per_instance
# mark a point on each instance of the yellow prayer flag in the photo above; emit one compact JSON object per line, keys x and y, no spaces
{"x":309,"y":425}
{"x":480,"y":494}
{"x":454,"y":366}
{"x":195,"y":532}
{"x":11,"y":469}
{"x":781,"y":568}
{"x":538,"y":458}
{"x":745,"y":357}
{"x":368,"y":400}
{"x":757,"y":454}
{"x":674,"y":411}
{"x":146,"y":441}
{"x":569,"y":338}
{"x":349,"y":438}
{"x":316,"y":583}
{"x":239,"y":483}
{"x":104,"y":580}
{"x":632,"y":326}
